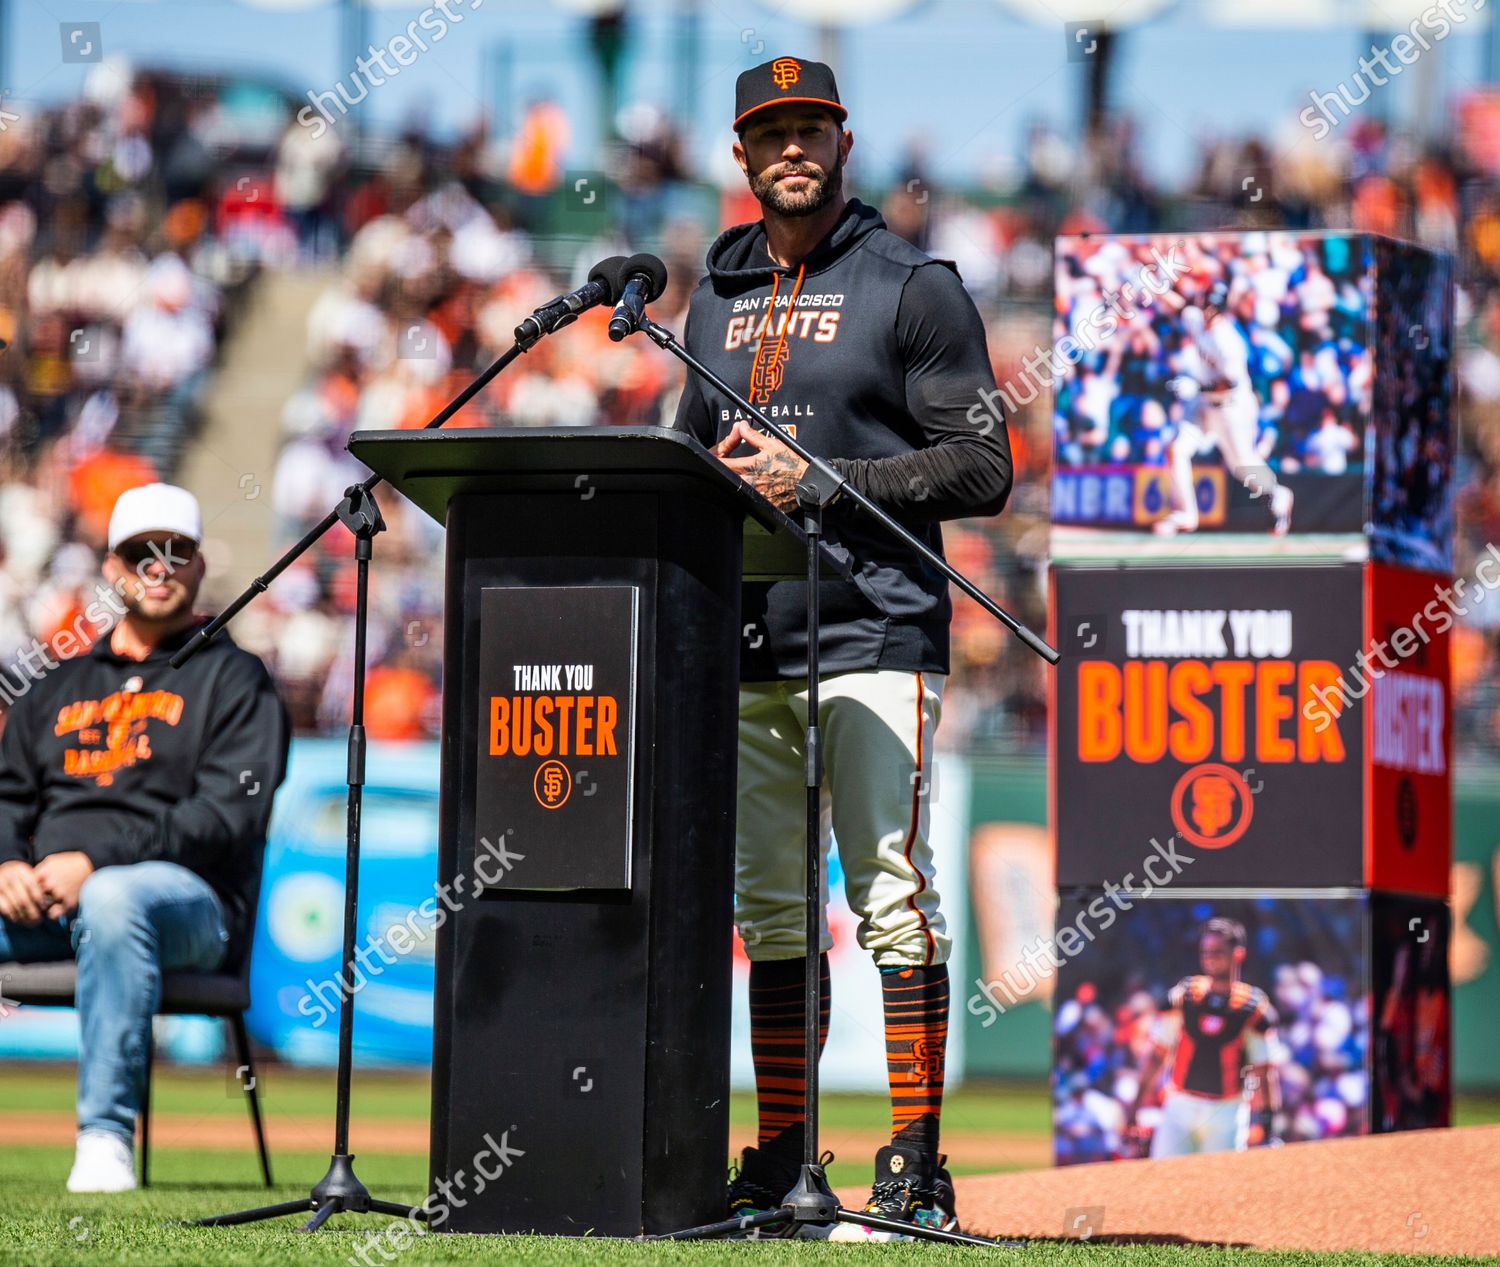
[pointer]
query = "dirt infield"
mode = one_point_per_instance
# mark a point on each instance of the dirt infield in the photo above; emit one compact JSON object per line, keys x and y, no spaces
{"x":987,"y":1149}
{"x":184,"y":1130}
{"x":1422,"y":1192}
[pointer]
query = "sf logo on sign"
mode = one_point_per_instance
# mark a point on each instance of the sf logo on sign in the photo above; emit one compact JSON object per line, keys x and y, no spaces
{"x":1212,"y":806}
{"x":553,"y":784}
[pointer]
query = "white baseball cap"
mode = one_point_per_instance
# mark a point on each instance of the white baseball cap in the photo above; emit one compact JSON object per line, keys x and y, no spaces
{"x":155,"y":508}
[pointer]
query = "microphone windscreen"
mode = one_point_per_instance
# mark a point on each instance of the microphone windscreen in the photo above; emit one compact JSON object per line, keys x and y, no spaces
{"x":611,"y":273}
{"x":650,"y":267}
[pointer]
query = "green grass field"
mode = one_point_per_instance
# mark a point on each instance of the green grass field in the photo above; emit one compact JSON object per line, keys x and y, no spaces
{"x":40,"y":1223}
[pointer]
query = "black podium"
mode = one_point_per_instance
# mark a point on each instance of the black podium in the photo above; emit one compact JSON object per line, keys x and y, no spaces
{"x":591,"y":665}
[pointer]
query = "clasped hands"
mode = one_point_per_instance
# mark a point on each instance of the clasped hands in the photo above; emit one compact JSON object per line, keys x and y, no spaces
{"x":772,"y":470}
{"x":48,"y":890}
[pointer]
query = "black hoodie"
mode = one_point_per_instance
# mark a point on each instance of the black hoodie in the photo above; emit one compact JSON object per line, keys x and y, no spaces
{"x":134,"y":761}
{"x":882,"y":368}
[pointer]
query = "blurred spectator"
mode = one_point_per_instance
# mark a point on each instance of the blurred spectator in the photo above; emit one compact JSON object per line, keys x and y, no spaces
{"x":114,"y":297}
{"x":306,"y":164}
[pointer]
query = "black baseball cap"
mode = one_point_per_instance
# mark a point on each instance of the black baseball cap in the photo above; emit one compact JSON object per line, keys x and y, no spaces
{"x":786,"y":79}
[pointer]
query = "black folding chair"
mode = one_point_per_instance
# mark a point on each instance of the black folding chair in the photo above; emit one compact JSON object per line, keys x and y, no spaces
{"x":221,"y":994}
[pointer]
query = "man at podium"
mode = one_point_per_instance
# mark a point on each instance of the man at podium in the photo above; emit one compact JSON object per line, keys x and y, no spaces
{"x":873,"y":355}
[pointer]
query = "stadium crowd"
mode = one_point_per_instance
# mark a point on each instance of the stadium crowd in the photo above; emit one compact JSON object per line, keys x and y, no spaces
{"x":116,"y":292}
{"x":128,"y":231}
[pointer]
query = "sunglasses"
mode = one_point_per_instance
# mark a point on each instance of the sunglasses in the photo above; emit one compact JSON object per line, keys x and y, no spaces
{"x":177,"y":552}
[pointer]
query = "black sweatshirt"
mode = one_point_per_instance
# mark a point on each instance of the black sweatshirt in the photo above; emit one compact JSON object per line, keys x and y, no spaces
{"x":882,"y":368}
{"x":134,"y":761}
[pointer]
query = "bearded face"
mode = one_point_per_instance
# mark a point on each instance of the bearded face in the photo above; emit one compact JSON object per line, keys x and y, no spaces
{"x":793,"y":160}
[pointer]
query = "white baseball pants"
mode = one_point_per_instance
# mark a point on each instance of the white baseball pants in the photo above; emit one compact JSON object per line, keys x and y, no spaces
{"x":878,"y":781}
{"x":1200,"y":1124}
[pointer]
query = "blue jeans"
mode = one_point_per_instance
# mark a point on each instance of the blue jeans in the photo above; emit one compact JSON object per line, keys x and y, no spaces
{"x":132,"y":924}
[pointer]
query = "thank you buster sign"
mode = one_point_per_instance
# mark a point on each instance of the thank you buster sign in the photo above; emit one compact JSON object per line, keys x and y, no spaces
{"x":554,"y":788}
{"x":1187,"y":713}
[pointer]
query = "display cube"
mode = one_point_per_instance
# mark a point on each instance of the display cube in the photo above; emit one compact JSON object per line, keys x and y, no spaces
{"x":1215,"y":391}
{"x":1259,"y":725}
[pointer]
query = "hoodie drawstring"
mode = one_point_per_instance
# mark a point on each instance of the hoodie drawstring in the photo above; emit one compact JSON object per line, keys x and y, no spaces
{"x":766,"y":328}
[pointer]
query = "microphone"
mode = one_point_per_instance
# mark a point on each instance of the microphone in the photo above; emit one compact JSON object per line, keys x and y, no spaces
{"x":645,"y":278}
{"x":603,"y":286}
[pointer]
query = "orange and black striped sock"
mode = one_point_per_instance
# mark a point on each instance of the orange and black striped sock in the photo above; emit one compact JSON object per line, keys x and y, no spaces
{"x":776,"y":1042}
{"x":916,"y":1041}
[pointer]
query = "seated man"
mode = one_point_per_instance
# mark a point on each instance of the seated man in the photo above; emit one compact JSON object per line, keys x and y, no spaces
{"x":134,"y":799}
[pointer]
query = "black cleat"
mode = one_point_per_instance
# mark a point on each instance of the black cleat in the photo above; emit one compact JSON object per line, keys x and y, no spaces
{"x":910,"y":1187}
{"x":760,"y":1183}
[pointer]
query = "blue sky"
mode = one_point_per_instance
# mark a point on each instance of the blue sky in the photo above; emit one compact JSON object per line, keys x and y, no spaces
{"x":964,"y":74}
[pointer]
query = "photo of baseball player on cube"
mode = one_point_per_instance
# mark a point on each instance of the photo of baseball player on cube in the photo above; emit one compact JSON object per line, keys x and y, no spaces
{"x":1232,"y":387}
{"x":1210,"y":1026}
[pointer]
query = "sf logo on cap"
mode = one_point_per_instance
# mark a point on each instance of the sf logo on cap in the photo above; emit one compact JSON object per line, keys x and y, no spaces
{"x":785,"y":71}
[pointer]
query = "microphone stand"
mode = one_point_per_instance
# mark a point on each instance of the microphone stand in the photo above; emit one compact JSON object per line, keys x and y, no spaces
{"x":811,"y":1201}
{"x":340,"y":1190}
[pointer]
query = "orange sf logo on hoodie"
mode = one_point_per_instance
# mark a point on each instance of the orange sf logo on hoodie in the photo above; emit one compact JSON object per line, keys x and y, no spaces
{"x":118,"y":722}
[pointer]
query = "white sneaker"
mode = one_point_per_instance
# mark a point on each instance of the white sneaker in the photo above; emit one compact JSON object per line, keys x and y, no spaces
{"x":858,"y":1233}
{"x":104,"y":1162}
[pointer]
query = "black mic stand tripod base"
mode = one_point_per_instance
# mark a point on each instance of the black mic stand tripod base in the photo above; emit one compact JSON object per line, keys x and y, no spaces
{"x":340,"y":1191}
{"x":811,"y":1203}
